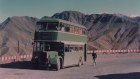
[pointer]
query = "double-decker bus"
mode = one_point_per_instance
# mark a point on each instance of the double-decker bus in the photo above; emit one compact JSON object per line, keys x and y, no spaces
{"x":59,"y":43}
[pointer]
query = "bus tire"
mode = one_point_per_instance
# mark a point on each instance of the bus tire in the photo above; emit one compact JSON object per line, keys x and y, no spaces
{"x":80,"y":62}
{"x":58,"y":65}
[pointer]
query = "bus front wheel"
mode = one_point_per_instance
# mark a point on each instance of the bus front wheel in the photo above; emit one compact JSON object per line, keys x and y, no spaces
{"x":58,"y":65}
{"x":80,"y":62}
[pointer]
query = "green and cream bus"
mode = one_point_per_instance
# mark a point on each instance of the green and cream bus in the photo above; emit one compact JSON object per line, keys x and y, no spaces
{"x":59,"y":43}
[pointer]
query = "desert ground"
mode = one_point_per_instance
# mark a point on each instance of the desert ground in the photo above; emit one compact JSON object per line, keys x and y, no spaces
{"x":109,"y":66}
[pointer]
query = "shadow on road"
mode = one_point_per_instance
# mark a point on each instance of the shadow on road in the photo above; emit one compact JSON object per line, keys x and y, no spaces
{"x":27,"y":65}
{"x":18,"y":65}
{"x":134,"y":75}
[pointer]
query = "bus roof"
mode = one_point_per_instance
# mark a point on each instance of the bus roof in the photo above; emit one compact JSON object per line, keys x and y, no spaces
{"x":48,"y":19}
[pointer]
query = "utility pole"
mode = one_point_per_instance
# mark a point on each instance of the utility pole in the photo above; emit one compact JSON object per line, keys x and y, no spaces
{"x":18,"y":47}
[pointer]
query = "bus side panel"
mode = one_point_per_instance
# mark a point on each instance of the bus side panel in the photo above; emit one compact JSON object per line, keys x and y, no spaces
{"x":72,"y":58}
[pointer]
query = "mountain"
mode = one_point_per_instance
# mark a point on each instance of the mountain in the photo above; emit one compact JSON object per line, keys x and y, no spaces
{"x":107,"y":31}
{"x":137,"y":19}
{"x":17,"y":29}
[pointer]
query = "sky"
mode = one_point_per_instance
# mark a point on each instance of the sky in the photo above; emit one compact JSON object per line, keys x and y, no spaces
{"x":40,"y":8}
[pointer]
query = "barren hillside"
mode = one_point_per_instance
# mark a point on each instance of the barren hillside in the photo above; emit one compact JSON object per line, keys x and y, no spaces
{"x":107,"y":31}
{"x":15,"y":29}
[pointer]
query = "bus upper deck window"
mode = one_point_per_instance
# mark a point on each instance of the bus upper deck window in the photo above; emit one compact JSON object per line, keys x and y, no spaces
{"x":62,"y":27}
{"x":67,"y":29}
{"x":52,"y":26}
{"x":66,"y":49}
{"x":58,"y":28}
{"x":84,"y":31}
{"x":41,"y":26}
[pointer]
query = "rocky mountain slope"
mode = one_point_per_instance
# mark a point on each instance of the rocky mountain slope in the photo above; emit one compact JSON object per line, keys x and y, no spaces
{"x":107,"y":31}
{"x":15,"y":29}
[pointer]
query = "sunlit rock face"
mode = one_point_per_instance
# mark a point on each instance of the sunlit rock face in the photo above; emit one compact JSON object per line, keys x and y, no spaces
{"x":17,"y":29}
{"x":107,"y":31}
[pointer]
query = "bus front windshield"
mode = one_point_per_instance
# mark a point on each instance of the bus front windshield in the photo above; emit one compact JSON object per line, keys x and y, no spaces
{"x":47,"y":26}
{"x":38,"y":46}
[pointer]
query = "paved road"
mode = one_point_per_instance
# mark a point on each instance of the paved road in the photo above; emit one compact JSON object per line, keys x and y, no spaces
{"x":108,"y":67}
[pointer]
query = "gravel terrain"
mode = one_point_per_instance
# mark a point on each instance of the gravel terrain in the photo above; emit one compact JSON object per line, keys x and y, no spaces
{"x":109,"y":66}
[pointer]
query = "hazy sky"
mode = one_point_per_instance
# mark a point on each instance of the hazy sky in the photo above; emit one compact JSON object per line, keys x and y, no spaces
{"x":39,"y":8}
